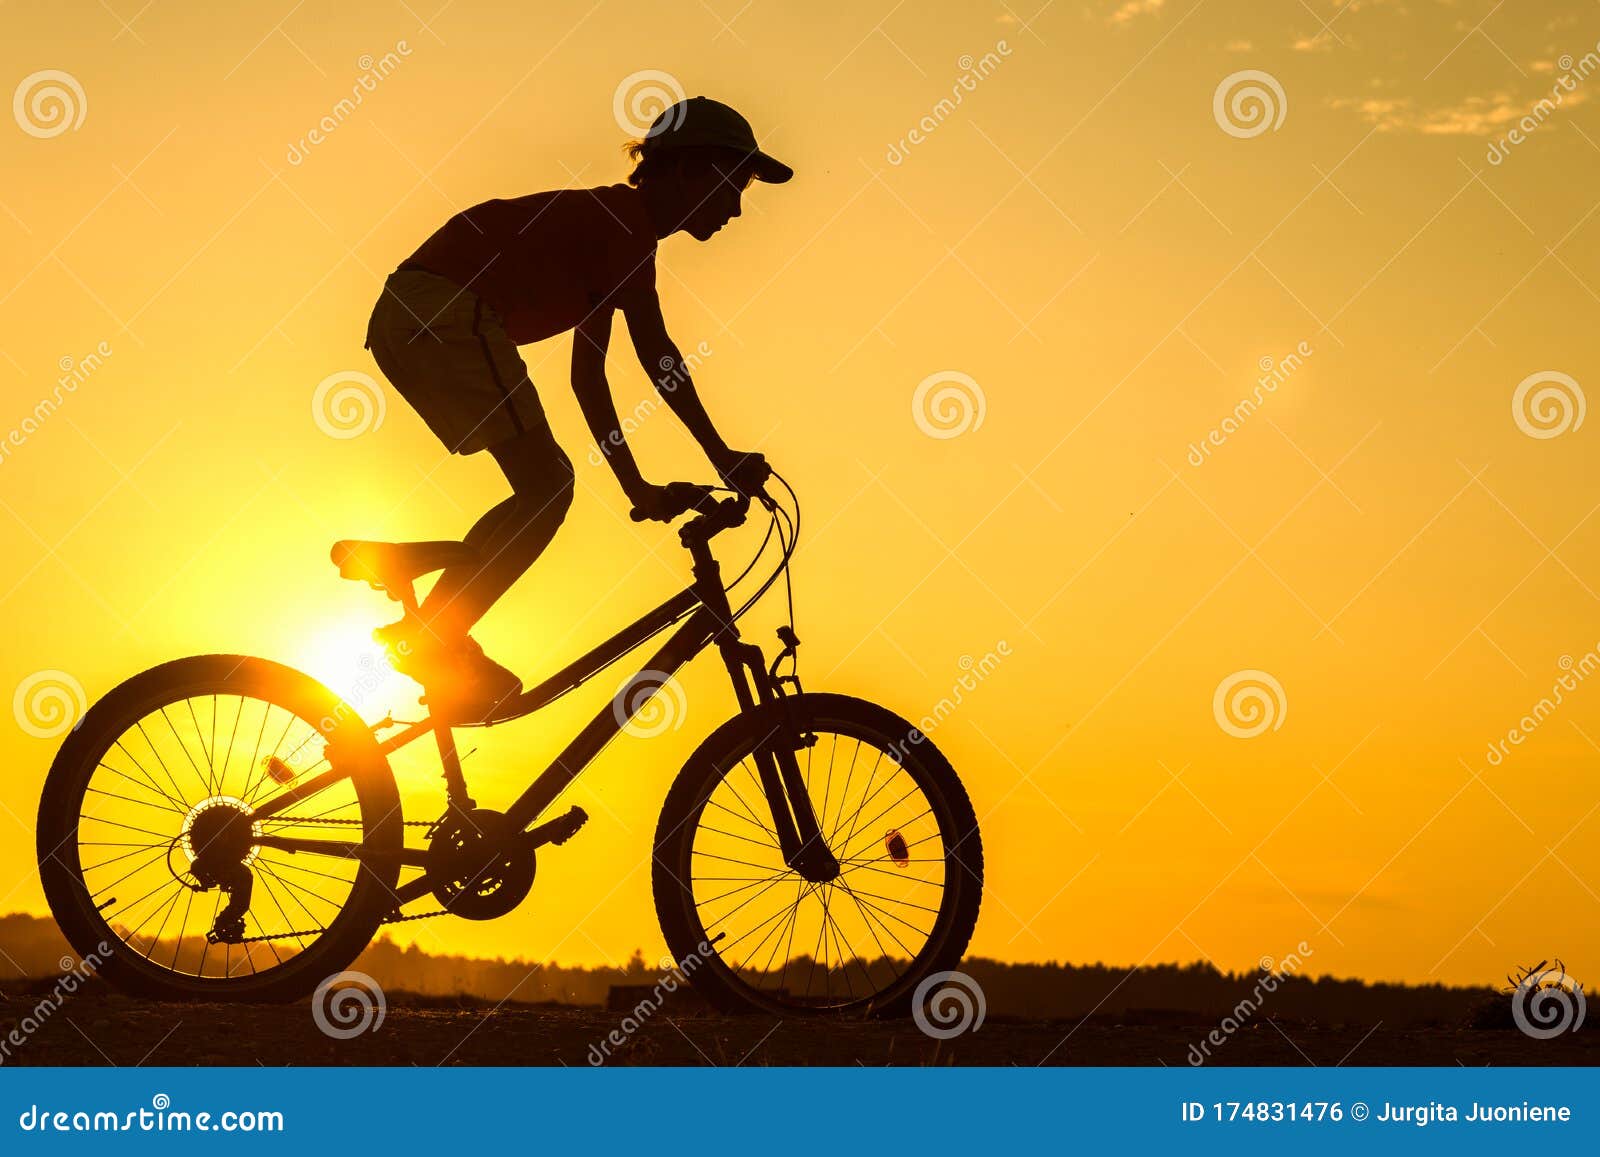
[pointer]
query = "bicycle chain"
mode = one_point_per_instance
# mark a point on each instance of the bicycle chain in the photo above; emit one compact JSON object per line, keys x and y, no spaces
{"x":390,"y":919}
{"x":355,"y":823}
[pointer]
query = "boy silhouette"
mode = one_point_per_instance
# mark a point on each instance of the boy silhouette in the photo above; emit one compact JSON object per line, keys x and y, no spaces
{"x":511,"y":272}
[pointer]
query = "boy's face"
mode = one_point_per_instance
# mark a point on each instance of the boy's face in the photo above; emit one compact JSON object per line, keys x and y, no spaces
{"x":711,"y":194}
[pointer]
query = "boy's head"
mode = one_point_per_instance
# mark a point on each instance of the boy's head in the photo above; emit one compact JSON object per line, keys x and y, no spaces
{"x":697,"y":159}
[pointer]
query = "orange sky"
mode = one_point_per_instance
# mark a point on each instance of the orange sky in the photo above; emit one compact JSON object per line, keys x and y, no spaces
{"x":1107,"y":257}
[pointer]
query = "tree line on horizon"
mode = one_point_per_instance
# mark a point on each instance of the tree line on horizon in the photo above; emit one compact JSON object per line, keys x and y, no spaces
{"x":32,"y":947}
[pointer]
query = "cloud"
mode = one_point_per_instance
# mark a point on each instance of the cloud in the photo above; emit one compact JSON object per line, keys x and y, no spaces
{"x":1133,"y":9}
{"x":1331,"y":33}
{"x":1321,"y":42}
{"x":1474,"y":116}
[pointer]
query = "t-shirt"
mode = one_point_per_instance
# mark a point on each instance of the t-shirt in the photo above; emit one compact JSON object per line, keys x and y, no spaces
{"x":546,"y":261}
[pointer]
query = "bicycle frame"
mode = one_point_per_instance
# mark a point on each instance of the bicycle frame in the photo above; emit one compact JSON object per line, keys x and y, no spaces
{"x":685,"y":643}
{"x":707,"y":620}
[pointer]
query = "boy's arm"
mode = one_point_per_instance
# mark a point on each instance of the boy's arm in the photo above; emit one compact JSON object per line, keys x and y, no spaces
{"x":589,"y":344}
{"x":659,"y":356}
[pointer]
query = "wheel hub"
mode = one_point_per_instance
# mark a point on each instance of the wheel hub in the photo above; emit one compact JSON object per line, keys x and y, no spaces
{"x":218,"y":832}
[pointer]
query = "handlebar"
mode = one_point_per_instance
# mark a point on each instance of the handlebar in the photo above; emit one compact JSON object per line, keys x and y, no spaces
{"x":714,"y":514}
{"x":681,"y":497}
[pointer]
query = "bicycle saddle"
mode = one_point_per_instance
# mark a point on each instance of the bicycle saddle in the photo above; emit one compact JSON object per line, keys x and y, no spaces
{"x":392,"y":564}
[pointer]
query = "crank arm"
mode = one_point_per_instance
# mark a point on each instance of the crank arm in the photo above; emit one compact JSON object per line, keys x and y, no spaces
{"x":557,"y":831}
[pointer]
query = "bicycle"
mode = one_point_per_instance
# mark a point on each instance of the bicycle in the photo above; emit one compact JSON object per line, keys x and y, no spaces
{"x":816,"y":853}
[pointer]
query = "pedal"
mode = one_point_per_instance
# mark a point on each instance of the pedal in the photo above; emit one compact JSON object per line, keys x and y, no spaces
{"x":559,"y":830}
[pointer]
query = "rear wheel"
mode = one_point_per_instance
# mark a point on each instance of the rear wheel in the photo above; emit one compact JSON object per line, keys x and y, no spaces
{"x":751,"y":933}
{"x":183,"y":780}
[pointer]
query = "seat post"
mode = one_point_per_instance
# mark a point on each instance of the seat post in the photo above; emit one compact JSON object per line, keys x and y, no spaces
{"x":455,"y":783}
{"x":406,"y":596}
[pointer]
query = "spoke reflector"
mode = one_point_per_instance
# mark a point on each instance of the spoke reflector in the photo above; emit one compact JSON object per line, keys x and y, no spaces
{"x":895,"y":844}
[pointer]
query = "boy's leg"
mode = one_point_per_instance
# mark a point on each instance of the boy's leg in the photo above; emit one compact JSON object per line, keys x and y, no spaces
{"x":508,"y":538}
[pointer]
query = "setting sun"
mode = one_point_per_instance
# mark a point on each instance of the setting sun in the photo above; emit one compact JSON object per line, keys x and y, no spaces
{"x":343,"y":656}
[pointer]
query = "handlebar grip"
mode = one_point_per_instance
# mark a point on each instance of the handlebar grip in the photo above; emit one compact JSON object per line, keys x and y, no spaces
{"x":680,"y":498}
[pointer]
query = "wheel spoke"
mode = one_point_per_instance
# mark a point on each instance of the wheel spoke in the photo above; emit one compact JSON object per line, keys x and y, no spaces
{"x":147,"y":781}
{"x":140,"y":823}
{"x":185,"y":749}
{"x":104,"y":863}
{"x":150,"y":858}
{"x":178,"y":792}
{"x":745,"y":818}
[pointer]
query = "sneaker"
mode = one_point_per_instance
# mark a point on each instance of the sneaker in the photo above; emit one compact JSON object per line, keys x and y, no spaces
{"x":462,"y":683}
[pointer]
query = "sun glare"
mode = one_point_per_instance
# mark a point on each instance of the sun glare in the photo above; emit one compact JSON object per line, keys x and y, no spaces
{"x":344,"y":657}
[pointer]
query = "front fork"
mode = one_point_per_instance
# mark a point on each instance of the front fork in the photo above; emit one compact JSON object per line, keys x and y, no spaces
{"x":800,"y":837}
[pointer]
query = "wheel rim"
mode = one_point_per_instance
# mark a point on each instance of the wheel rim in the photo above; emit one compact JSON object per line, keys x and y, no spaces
{"x":851,"y":943}
{"x":182,"y":781}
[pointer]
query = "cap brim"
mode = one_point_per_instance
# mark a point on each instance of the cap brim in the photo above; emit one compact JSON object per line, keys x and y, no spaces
{"x":769,"y":169}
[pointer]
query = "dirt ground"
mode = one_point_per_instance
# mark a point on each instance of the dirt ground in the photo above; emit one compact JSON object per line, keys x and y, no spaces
{"x":96,"y":1027}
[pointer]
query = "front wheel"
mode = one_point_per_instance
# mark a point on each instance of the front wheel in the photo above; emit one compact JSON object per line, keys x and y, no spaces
{"x":751,"y":933}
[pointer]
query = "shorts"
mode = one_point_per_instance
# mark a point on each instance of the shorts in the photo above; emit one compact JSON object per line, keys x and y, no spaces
{"x":445,"y":351}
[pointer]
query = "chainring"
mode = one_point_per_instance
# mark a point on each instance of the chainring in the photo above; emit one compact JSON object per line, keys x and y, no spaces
{"x":475,"y":880}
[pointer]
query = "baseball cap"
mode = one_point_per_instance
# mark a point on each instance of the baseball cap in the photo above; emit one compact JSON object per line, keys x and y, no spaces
{"x":700,"y":122}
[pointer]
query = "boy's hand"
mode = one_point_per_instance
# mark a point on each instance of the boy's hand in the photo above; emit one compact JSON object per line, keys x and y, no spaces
{"x":664,"y":503}
{"x":746,"y":473}
{"x":649,"y":503}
